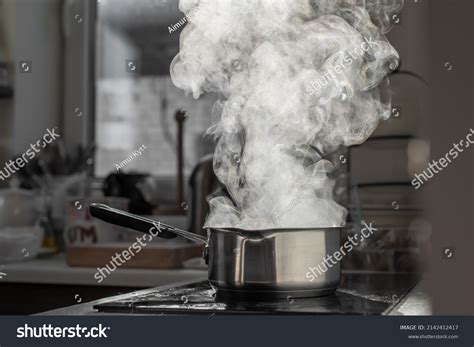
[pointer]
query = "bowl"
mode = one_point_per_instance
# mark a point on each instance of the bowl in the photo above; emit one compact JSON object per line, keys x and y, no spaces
{"x":20,"y":243}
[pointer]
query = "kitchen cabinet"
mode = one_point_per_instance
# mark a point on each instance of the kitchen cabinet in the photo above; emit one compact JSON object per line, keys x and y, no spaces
{"x":45,"y":284}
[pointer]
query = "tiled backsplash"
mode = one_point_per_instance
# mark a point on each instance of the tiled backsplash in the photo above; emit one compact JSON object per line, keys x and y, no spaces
{"x":136,"y":112}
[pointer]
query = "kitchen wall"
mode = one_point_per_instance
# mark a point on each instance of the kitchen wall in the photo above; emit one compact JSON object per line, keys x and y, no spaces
{"x":38,"y":95}
{"x":449,"y":117}
{"x":7,"y":37}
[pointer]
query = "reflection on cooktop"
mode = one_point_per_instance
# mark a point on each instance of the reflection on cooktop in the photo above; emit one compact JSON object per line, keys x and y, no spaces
{"x":358,"y":294}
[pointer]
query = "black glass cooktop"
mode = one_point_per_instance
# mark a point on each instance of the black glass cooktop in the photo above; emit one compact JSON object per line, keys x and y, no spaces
{"x":358,"y":294}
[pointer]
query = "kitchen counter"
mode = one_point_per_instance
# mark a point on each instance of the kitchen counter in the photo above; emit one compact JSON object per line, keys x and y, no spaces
{"x":54,"y":270}
{"x":414,"y":301}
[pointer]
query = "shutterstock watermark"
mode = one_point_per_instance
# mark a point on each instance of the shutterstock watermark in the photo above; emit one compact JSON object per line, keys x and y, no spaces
{"x":136,"y":153}
{"x":183,"y":20}
{"x":331,"y":260}
{"x":335,"y":70}
{"x":118,"y":259}
{"x":48,"y":331}
{"x":436,"y":166}
{"x":12,"y":166}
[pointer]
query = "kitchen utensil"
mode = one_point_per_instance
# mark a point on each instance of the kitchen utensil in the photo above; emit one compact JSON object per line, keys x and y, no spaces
{"x":272,"y":263}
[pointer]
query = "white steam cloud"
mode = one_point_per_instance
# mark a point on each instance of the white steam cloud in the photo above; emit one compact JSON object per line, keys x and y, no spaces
{"x":294,"y":76}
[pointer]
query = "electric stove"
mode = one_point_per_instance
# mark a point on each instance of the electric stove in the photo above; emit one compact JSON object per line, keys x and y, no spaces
{"x":358,"y":294}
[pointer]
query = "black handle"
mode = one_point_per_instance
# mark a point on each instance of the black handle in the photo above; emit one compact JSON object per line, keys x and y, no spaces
{"x":139,"y":223}
{"x":127,"y":220}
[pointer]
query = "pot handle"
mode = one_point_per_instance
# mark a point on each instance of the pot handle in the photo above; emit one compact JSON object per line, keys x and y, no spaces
{"x":139,"y":223}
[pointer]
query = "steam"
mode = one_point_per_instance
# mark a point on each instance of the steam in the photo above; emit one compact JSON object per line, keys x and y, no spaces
{"x":284,"y":101}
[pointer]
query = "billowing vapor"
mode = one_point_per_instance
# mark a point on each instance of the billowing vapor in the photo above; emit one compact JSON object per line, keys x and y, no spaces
{"x":298,"y":79}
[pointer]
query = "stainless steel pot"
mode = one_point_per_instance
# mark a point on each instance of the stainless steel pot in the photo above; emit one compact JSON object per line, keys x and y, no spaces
{"x":273,"y":263}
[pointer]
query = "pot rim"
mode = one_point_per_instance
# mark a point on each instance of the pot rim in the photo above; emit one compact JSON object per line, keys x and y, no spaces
{"x":272,"y":230}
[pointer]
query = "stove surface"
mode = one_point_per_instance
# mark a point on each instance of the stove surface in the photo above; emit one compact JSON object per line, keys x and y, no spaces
{"x":358,"y":294}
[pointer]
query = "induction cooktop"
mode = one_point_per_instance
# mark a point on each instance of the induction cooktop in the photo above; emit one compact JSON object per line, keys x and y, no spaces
{"x":358,"y":294}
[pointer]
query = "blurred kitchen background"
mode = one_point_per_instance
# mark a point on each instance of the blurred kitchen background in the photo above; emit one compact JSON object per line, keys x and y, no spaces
{"x":99,"y":72}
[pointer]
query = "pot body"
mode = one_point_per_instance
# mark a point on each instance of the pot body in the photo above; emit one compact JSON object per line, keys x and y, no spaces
{"x":273,"y":263}
{"x":265,"y":264}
